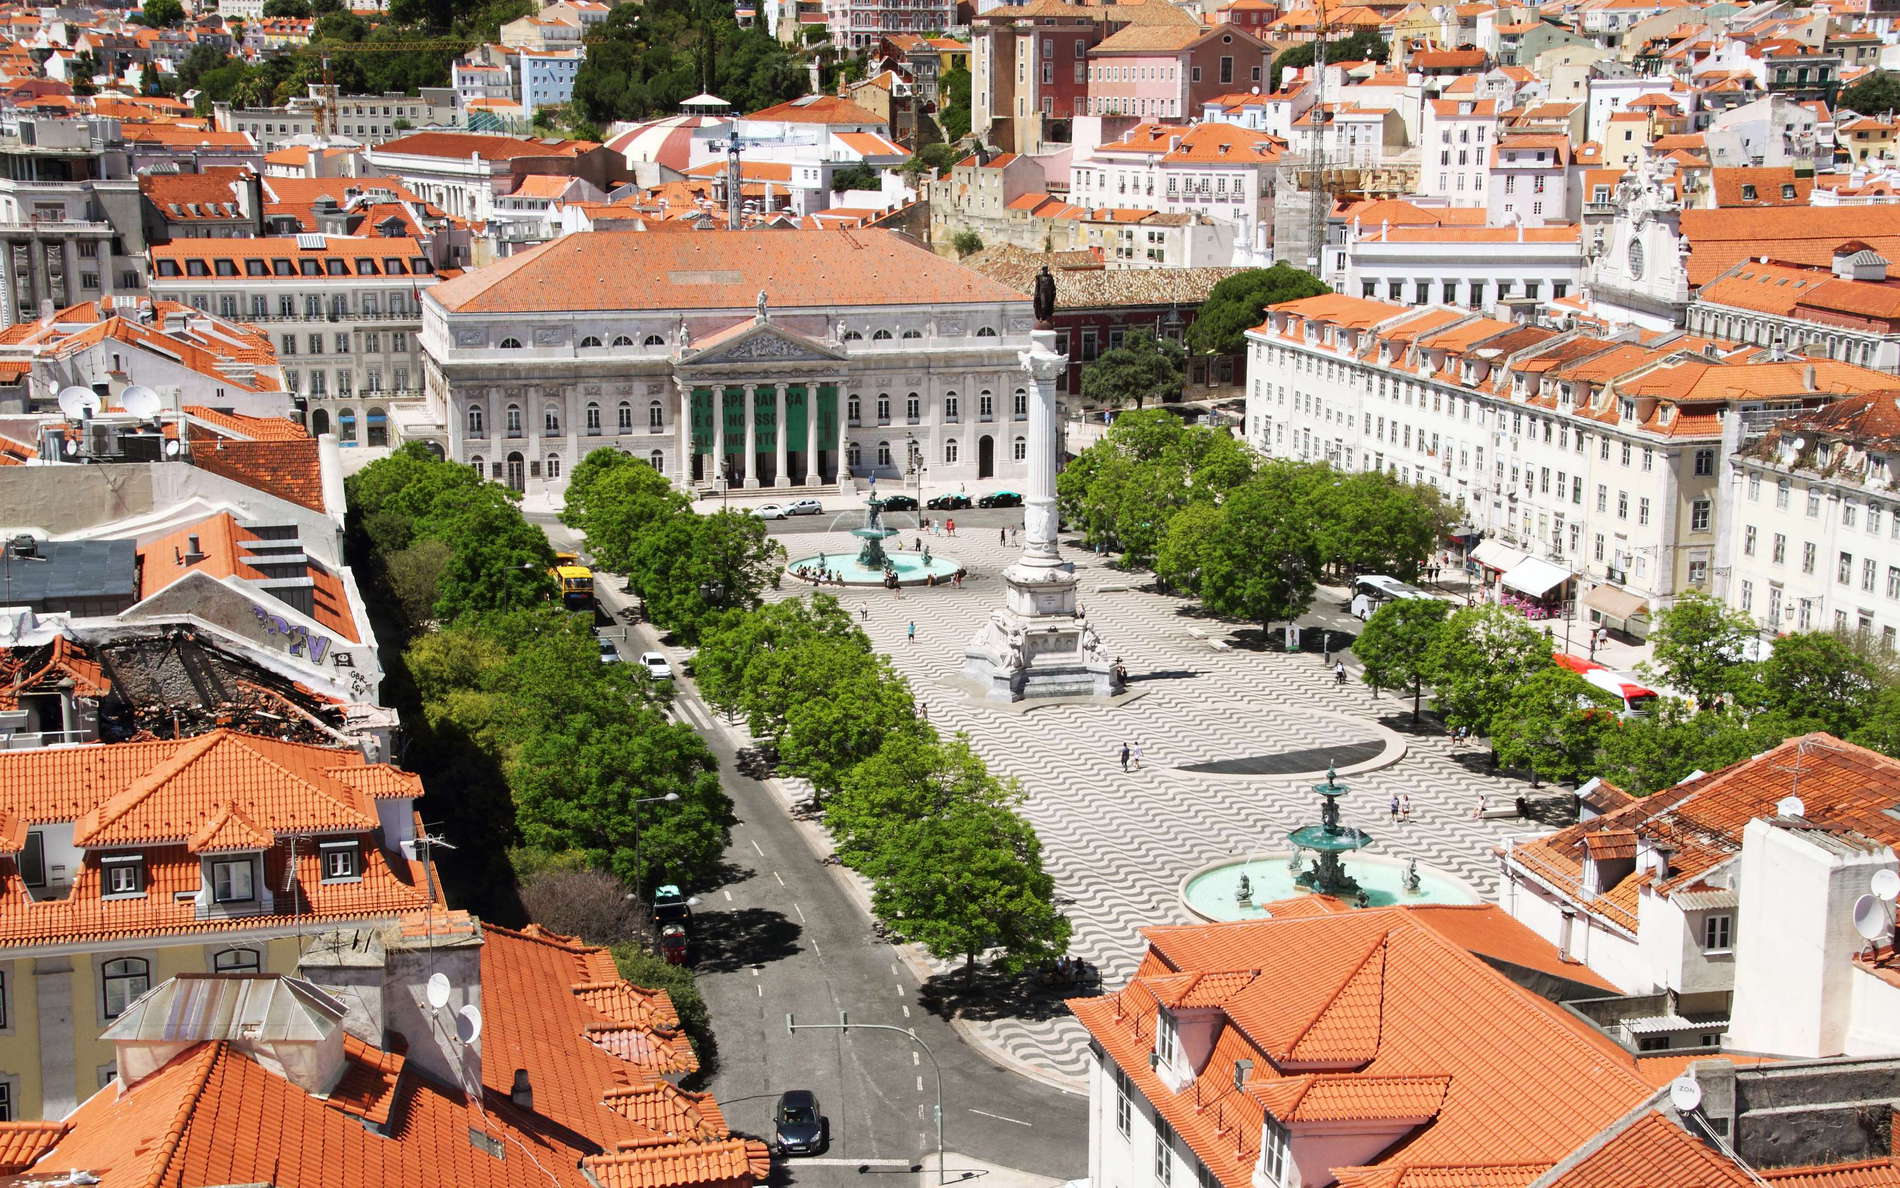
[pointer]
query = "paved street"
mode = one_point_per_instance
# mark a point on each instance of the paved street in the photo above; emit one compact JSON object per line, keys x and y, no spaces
{"x":784,"y":934}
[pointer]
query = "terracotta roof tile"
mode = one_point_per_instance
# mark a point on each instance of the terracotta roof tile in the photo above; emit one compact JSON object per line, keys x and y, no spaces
{"x":22,"y":1143}
{"x":288,"y":469}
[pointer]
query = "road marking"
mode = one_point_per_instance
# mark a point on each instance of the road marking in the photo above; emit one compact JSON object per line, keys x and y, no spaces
{"x":728,"y":897}
{"x":816,"y":950}
{"x":779,"y":877}
{"x":755,"y":971}
{"x":760,"y":987}
{"x":801,"y":913}
{"x":907,"y":1015}
{"x":858,"y":1162}
{"x":893,"y":969}
{"x":756,"y":850}
{"x":920,"y":1082}
{"x":915,"y":1059}
{"x":1000,"y":1118}
{"x":900,"y":989}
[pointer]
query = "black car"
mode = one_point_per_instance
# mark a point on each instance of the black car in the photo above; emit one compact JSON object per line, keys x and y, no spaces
{"x":1001,"y":499}
{"x":900,"y":503}
{"x":948,"y":503}
{"x":797,"y":1126}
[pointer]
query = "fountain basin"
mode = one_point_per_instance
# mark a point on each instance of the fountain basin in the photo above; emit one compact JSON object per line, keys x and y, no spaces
{"x":1209,"y":891}
{"x":1342,"y":840}
{"x":911,"y":568}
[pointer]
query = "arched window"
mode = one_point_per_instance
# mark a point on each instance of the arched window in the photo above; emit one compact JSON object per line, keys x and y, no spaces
{"x":851,"y":410}
{"x":883,"y":408}
{"x":622,"y":340}
{"x":986,"y":332}
{"x":122,"y":980}
{"x":853,"y":336}
{"x":657,"y":461}
{"x":475,"y":420}
{"x":656,"y":417}
{"x":551,"y":419}
{"x":553,"y":468}
{"x":1022,"y":449}
{"x":593,"y":419}
{"x":913,"y":334}
{"x":913,"y":404}
{"x":852,"y":455}
{"x":881,"y":336}
{"x":235,"y":961}
{"x":654,"y":340}
{"x":624,"y":421}
{"x":511,"y":344}
{"x":985,"y":404}
{"x":346,"y":424}
{"x":589,"y":342}
{"x":319,"y":422}
{"x":950,"y":450}
{"x":514,"y":420}
{"x":476,"y":462}
{"x":1022,"y":403}
{"x":883,"y":453}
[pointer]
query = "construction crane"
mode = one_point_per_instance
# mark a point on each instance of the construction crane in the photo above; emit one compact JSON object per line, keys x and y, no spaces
{"x":326,"y":113}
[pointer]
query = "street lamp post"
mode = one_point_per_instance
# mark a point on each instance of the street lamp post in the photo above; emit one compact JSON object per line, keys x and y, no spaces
{"x":843,"y":1024}
{"x":640,"y":872}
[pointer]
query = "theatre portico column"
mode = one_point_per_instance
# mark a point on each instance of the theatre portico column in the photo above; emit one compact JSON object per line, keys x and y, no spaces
{"x":683,"y":429}
{"x":844,"y":432}
{"x":808,"y":436}
{"x":779,"y":477}
{"x":750,"y":394}
{"x":719,"y":434}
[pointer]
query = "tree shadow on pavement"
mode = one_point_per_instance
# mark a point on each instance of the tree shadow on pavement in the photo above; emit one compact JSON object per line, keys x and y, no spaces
{"x":988,"y":992}
{"x":729,"y":941}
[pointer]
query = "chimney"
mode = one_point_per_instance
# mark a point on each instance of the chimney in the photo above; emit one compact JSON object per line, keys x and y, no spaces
{"x":522,"y":1094}
{"x":1807,"y":378}
{"x":193,"y":554}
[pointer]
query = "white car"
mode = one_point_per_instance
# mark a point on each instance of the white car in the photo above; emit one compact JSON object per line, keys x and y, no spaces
{"x":656,"y":665}
{"x":770,"y":511}
{"x":608,"y":653}
{"x":804,"y":507}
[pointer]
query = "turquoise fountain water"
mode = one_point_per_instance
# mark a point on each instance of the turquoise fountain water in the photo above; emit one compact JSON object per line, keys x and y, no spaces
{"x":875,"y":565}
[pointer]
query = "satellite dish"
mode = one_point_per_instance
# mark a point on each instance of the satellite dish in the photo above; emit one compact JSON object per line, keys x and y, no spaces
{"x":1870,"y":917}
{"x":1790,"y":806}
{"x":78,"y":403}
{"x":141,"y":402}
{"x":1886,"y":885}
{"x":173,"y":449}
{"x":1686,"y":1092}
{"x":468,"y":1023}
{"x":438,"y":990}
{"x":71,"y":447}
{"x":1800,"y":443}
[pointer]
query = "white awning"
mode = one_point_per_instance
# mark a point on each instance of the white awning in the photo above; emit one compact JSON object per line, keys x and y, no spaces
{"x":1535,"y":576}
{"x":1495,"y":554}
{"x":1615,"y":603}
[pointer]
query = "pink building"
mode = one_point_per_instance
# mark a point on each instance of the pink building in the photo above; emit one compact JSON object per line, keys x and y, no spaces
{"x":1171,"y":71}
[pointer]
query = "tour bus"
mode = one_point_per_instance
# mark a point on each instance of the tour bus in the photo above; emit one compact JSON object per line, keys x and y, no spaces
{"x":1639,"y":701}
{"x":576,"y":581}
{"x":1372,"y":591}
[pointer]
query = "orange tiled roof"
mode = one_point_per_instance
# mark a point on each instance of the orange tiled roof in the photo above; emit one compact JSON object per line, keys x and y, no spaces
{"x":288,"y":469}
{"x":818,"y":109}
{"x":220,"y":538}
{"x":1718,"y":239}
{"x":489,"y":147}
{"x":22,"y":1143}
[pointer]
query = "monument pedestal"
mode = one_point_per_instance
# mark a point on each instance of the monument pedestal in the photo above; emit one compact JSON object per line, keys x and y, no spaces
{"x":1036,"y":645}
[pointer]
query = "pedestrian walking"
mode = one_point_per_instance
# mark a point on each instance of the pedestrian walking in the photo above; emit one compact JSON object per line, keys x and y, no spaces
{"x":1395,"y":810}
{"x":1002,"y":536}
{"x":911,"y":633}
{"x":1136,"y":758}
{"x":1339,"y":672}
{"x":864,"y":614}
{"x":950,"y":527}
{"x":1405,"y":806}
{"x":1125,"y":754}
{"x":923,"y":710}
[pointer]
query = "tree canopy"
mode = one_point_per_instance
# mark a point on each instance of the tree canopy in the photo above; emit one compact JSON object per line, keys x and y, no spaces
{"x":1484,"y":653}
{"x":1397,"y":642}
{"x":1699,"y":644}
{"x":1872,"y":94}
{"x":1142,"y":366}
{"x":1123,"y":490}
{"x":644,"y":60}
{"x":953,"y":103}
{"x":1361,"y":46}
{"x":1262,"y":563}
{"x":1238,"y":303}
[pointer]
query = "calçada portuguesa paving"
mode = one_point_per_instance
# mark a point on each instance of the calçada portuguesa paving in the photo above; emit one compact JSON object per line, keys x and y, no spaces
{"x":1120,"y":844}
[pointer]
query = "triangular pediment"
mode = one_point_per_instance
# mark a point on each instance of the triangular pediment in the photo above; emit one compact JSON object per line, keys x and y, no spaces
{"x":761,"y":342}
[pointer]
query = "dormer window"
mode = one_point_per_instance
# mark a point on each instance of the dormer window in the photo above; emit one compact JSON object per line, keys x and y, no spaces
{"x":1276,"y":1152}
{"x":342,"y":861}
{"x":233,"y":880}
{"x":124,"y":874}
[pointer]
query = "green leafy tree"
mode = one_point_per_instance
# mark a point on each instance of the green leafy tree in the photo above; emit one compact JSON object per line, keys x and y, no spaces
{"x":1484,"y":653}
{"x":406,"y":482}
{"x":1879,"y":729}
{"x":162,"y":14}
{"x":1873,"y":94}
{"x":914,"y":775}
{"x":1376,"y":524}
{"x":1699,"y":644}
{"x":83,"y":73}
{"x":1123,"y":490}
{"x":414,"y":575}
{"x":1142,"y":366}
{"x":953,"y":109}
{"x":1817,"y":680}
{"x":1397,"y":642}
{"x":855,"y":177}
{"x":614,"y":500}
{"x":1361,"y":46}
{"x":499,"y":562}
{"x":966,"y":243}
{"x":1261,"y":566}
{"x":968,"y":881}
{"x":1178,"y":561}
{"x":1644,"y":754}
{"x":645,"y":59}
{"x":1238,"y":303}
{"x":298,"y":9}
{"x":827,"y":735}
{"x":747,"y":660}
{"x":202,"y":58}
{"x":691,"y":568}
{"x":1553,"y":725}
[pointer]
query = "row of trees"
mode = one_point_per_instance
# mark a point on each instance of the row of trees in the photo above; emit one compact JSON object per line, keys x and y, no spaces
{"x":689,"y":569}
{"x":644,"y":59}
{"x":955,"y":866}
{"x":511,"y":714}
{"x":1249,"y":539}
{"x":1491,"y":671}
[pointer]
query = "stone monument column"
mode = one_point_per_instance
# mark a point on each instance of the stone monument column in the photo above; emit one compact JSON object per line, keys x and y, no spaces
{"x":1036,"y":645}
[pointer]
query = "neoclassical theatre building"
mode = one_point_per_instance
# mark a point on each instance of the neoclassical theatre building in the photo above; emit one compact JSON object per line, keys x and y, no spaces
{"x":791,"y":356}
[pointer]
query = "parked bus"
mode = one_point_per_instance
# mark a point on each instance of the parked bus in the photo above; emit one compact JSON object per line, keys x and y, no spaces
{"x":1373,"y":590}
{"x":576,"y":581}
{"x":1638,"y":700}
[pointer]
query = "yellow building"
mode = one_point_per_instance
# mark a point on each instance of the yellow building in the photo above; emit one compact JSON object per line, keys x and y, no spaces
{"x":125,"y":864}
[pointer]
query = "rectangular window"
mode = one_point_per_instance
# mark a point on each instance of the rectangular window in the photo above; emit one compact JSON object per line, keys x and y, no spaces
{"x":1748,"y":596}
{"x":1781,"y":549}
{"x":1869,"y":573}
{"x":1807,"y":557}
{"x":1124,"y":1107}
{"x":341,"y":860}
{"x":1844,"y":569}
{"x":1622,"y":505}
{"x":1717,"y":933}
{"x":1748,"y":541}
{"x":124,"y":874}
{"x":232,"y":882}
{"x":1603,"y":498}
{"x":1700,"y":513}
{"x":1814,"y":503}
{"x":33,"y":860}
{"x":1275,"y":1151}
{"x":1164,"y":1155}
{"x":1781,"y":495}
{"x":1642,"y":511}
{"x":949,"y":408}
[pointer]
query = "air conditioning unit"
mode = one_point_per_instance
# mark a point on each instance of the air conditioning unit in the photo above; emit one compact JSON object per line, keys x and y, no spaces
{"x":102,"y":440}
